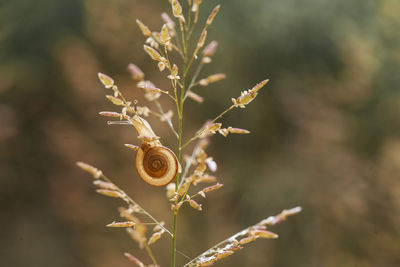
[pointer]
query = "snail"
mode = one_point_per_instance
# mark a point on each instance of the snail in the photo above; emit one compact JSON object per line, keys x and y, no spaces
{"x":156,"y":164}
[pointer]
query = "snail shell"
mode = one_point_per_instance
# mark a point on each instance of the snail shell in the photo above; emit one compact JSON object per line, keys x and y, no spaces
{"x":156,"y":165}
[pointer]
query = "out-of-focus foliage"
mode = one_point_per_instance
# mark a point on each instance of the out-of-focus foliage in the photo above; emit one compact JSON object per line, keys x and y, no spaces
{"x":325,"y":134}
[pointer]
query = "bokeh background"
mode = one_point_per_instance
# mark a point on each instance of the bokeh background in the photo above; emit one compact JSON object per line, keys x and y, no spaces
{"x":325,"y":131}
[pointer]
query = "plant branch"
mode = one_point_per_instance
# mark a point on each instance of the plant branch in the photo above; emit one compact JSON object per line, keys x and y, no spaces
{"x":195,"y":75}
{"x":214,"y":120}
{"x":229,"y":245}
{"x":150,"y":253}
{"x":129,"y":200}
{"x":168,"y":119}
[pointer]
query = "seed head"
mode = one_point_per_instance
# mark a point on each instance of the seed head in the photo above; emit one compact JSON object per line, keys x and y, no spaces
{"x":205,"y":178}
{"x":210,"y":129}
{"x":114,"y":100}
{"x":228,"y":130}
{"x":194,"y":204}
{"x":110,"y":114}
{"x":264,"y":234}
{"x":152,"y":53}
{"x":170,"y":190}
{"x":104,"y":185}
{"x":138,"y":234}
{"x":107,"y":81}
{"x":176,"y":206}
{"x":223,"y":254}
{"x":161,"y":65}
{"x":177,"y":9}
{"x":211,"y":164}
{"x":133,"y":147}
{"x":108,"y":193}
{"x":127,"y":213}
{"x":195,"y":97}
{"x":259,"y":85}
{"x":212,"y":79}
{"x":238,"y":130}
{"x":155,"y":237}
{"x":182,"y":189}
{"x":96,"y":173}
{"x":143,"y":111}
{"x":210,"y":49}
{"x":247,"y":239}
{"x":212,"y":15}
{"x":152,"y":42}
{"x":174,"y":73}
{"x":170,"y":23}
{"x":212,"y":188}
{"x":248,"y":95}
{"x":121,"y":224}
{"x":196,"y":4}
{"x":133,"y":259}
{"x":136,"y":73}
{"x":145,"y":30}
{"x":158,"y":227}
{"x":202,"y":39}
{"x":165,"y":38}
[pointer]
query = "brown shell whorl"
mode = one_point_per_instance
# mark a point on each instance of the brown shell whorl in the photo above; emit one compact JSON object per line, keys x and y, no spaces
{"x":156,"y":165}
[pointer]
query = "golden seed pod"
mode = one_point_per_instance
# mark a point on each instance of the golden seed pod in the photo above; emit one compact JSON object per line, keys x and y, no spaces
{"x":156,"y":165}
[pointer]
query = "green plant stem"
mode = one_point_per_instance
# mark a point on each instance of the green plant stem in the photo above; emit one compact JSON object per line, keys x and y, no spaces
{"x":191,"y":61}
{"x":223,"y":113}
{"x":174,"y":227}
{"x":174,"y":239}
{"x":189,"y":16}
{"x":183,"y":39}
{"x":195,"y":75}
{"x":179,"y":104}
{"x":150,"y":253}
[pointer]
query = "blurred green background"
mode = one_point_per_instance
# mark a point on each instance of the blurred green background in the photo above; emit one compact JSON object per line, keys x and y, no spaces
{"x":325,"y":131}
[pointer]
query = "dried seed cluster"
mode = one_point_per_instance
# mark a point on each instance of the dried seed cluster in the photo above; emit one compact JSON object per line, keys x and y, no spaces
{"x":181,"y":73}
{"x":236,"y":242}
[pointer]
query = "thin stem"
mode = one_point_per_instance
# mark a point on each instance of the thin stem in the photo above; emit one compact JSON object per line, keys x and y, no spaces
{"x":126,"y":103}
{"x":122,"y":97}
{"x":179,"y":105}
{"x":150,"y":253}
{"x":183,"y":39}
{"x":189,"y":15}
{"x":184,"y":195}
{"x":223,"y":113}
{"x":176,"y":97}
{"x":178,"y":45}
{"x":196,"y":74}
{"x":174,"y":229}
{"x":166,"y":55}
{"x":183,"y":254}
{"x":189,"y":164}
{"x":168,"y":119}
{"x":192,"y":82}
{"x":214,"y":120}
{"x":177,"y":49}
{"x":194,"y":55}
{"x":174,"y":239}
{"x":191,"y":61}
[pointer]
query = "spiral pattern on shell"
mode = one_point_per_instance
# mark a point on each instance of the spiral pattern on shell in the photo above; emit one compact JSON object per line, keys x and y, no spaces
{"x":156,"y":165}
